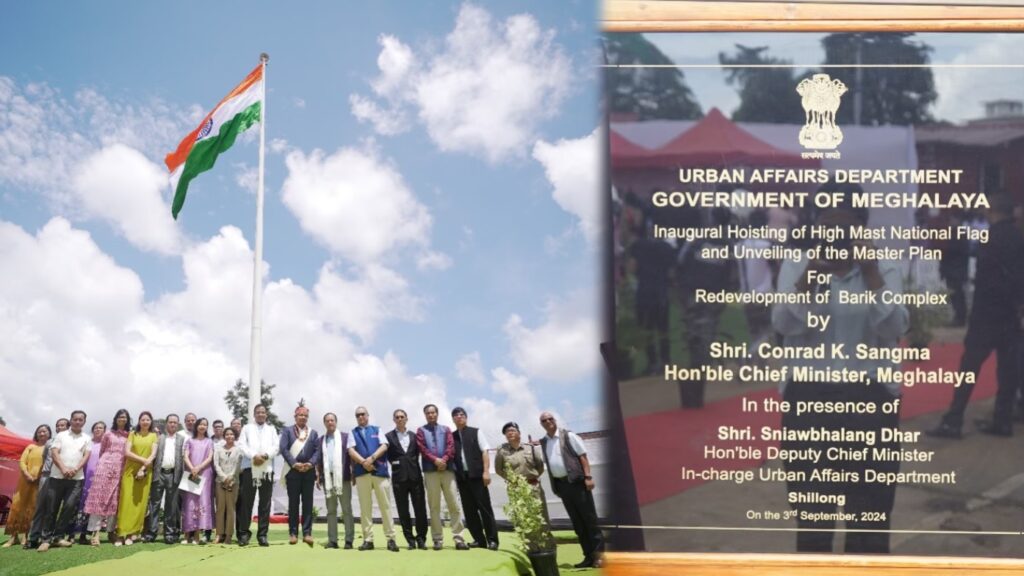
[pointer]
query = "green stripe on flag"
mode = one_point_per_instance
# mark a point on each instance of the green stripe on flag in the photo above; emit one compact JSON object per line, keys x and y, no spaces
{"x":204,"y":154}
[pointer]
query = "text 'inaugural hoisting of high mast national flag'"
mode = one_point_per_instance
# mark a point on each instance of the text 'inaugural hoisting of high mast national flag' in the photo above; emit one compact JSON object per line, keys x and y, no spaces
{"x":198,"y":151}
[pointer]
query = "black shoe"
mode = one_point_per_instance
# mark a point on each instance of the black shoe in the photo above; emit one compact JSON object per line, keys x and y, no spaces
{"x":83,"y":539}
{"x":243,"y":541}
{"x":348,"y":545}
{"x":993,"y":429}
{"x":439,"y":545}
{"x":458,"y":546}
{"x":263,"y":542}
{"x":366,"y":546}
{"x":944,"y":430}
{"x":392,"y":546}
{"x":493,"y":546}
{"x":333,"y":545}
{"x":412,"y":544}
{"x":148,"y":539}
{"x":477,"y":544}
{"x":588,"y":562}
{"x":421,"y":543}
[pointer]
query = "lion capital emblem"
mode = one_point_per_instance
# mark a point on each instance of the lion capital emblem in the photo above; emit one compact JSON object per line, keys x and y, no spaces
{"x":820,"y":96}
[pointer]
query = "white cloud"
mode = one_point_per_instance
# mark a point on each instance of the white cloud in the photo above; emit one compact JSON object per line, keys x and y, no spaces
{"x":359,"y":305}
{"x":470,"y":369}
{"x":386,"y":122}
{"x":247,"y":177}
{"x":433,"y":261}
{"x":395,"y":61}
{"x":562,"y":349}
{"x":960,"y":98}
{"x":120,"y":186}
{"x":511,"y":400}
{"x":299,"y":102}
{"x":573,"y":169}
{"x":68,"y":151}
{"x":76,"y":323}
{"x":484,"y":93}
{"x":278,"y":145}
{"x":354,"y":202}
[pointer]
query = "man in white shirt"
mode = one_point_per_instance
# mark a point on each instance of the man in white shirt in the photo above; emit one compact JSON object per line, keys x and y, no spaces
{"x":167,"y":470}
{"x":70,"y":451}
{"x":259,"y":444}
{"x":190,"y":422}
{"x":569,"y":472}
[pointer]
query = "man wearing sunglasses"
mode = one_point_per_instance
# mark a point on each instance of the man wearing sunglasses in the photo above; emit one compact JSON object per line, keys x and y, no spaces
{"x":569,"y":472}
{"x":367,"y":447}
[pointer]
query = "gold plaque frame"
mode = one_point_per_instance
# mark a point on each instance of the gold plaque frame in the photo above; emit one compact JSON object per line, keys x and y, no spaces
{"x":809,"y":16}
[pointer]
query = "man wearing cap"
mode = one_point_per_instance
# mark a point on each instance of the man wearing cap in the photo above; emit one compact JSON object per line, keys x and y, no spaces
{"x":335,"y":479}
{"x":524,"y":459}
{"x":300,"y":449}
{"x":437,"y":449}
{"x":569,"y":472}
{"x":367,"y":448}
{"x":472,"y":476}
{"x":407,"y":480}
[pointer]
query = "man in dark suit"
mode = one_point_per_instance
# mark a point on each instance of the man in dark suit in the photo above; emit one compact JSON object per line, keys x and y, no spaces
{"x":167,"y":471}
{"x":300,"y":449}
{"x":472,"y":476}
{"x":407,"y":480}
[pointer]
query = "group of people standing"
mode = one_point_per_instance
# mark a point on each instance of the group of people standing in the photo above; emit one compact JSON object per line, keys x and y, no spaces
{"x":119,"y":479}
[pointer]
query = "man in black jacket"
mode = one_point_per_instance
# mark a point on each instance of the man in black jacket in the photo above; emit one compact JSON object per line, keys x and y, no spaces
{"x":473,"y":475}
{"x":407,"y":480}
{"x":994,"y":323}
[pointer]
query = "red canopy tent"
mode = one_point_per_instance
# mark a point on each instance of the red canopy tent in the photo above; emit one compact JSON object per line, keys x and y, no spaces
{"x":713,"y":141}
{"x":625,"y":154}
{"x":11,"y":447}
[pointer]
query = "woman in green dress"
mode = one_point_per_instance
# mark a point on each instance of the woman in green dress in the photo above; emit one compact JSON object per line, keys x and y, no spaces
{"x":138,"y":473}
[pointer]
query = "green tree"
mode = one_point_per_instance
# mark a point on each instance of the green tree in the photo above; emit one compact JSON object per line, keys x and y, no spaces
{"x":647,"y":92}
{"x":237,"y":400}
{"x":766,"y":94}
{"x":899,"y":96}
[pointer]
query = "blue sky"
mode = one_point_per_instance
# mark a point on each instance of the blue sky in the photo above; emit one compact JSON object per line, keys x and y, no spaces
{"x":431,"y":208}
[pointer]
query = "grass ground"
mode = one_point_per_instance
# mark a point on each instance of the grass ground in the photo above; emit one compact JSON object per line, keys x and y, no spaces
{"x":281,"y":558}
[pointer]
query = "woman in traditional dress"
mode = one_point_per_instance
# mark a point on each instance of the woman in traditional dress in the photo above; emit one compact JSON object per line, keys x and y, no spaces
{"x":82,"y":522}
{"x":106,"y":481}
{"x":138,"y":473}
{"x":24,"y":504}
{"x":197,"y":509}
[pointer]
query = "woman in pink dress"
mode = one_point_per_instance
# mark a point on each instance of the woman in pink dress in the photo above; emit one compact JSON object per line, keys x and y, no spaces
{"x":197,"y":509}
{"x":101,"y":504}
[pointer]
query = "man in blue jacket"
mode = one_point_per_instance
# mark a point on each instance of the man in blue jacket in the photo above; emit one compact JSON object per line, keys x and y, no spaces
{"x":367,"y":447}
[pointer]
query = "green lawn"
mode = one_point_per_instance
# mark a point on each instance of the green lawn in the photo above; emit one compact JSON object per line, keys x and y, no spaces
{"x":280,"y":558}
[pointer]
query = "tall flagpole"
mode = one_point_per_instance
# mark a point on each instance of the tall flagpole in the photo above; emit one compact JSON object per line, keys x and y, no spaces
{"x":255,"y":382}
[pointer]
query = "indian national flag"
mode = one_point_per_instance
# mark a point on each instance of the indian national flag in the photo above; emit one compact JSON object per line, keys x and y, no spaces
{"x":198,"y":152}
